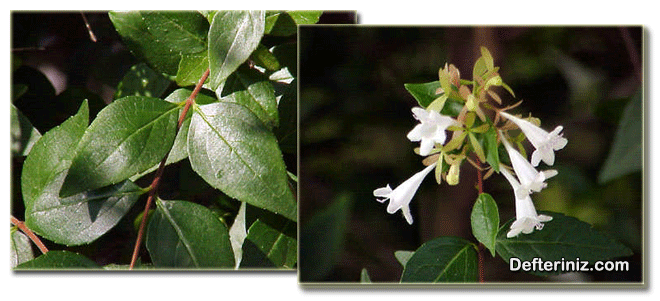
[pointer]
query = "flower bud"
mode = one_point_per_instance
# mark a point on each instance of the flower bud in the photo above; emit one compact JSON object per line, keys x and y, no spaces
{"x":454,"y":173}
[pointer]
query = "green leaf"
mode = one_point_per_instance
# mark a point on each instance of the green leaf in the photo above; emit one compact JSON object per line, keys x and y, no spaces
{"x":23,"y":134}
{"x":160,"y":38}
{"x":563,"y":238}
{"x":271,"y":242}
{"x":403,"y":256}
{"x":423,"y":93}
{"x":364,"y":276}
{"x":286,"y":23}
{"x":253,"y":90}
{"x":20,"y":249}
{"x":322,"y":239}
{"x":187,"y":235}
{"x":232,"y":150}
{"x":232,"y":37}
{"x":444,"y":259}
{"x":488,"y":59}
{"x":141,"y":80}
{"x":626,"y":152}
{"x":78,"y":219}
{"x":491,"y":148}
{"x":59,"y":260}
{"x":476,"y":146}
{"x":191,"y":68}
{"x":238,"y":233}
{"x":485,"y":220}
{"x":287,"y":131}
{"x":129,"y":136}
{"x":263,"y":57}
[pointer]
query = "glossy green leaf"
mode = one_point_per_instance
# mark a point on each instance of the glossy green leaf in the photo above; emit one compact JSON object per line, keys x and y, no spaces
{"x":129,"y":136}
{"x":20,"y":248}
{"x":491,"y":148}
{"x":232,"y":150}
{"x":625,"y":154}
{"x":485,"y":220}
{"x":563,"y":238}
{"x":252,"y":89}
{"x":191,"y":68}
{"x":78,"y":219}
{"x":232,"y":37}
{"x":424,"y":93}
{"x":141,"y":80}
{"x":187,"y":235}
{"x":59,"y":260}
{"x":23,"y":134}
{"x":160,"y":38}
{"x":271,"y":242}
{"x":287,"y":131}
{"x":444,"y":259}
{"x":286,"y":23}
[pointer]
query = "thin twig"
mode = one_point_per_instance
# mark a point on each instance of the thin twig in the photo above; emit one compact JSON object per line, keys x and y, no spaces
{"x":89,"y":28}
{"x":35,"y":239}
{"x":159,"y":173}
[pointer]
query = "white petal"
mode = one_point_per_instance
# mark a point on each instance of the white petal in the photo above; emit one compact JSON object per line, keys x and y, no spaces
{"x":401,"y":196}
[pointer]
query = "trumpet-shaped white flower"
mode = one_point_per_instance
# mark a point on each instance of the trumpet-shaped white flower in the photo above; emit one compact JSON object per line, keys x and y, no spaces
{"x":530,"y":179}
{"x":430,"y":130}
{"x":401,"y":196}
{"x":545,"y":143}
{"x":526,"y":217}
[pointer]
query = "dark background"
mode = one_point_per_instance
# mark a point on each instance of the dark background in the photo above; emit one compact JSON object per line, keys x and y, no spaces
{"x":355,"y":114}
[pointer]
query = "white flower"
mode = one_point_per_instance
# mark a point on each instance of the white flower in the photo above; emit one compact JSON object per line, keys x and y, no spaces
{"x":544,"y":142}
{"x":530,"y":178}
{"x":401,"y":196}
{"x":430,"y":130}
{"x":526,"y":217}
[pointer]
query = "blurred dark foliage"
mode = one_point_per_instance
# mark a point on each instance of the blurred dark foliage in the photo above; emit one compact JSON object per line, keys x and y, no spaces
{"x":355,"y":114}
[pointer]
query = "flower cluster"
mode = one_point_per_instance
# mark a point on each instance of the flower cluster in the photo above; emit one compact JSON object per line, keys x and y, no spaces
{"x":474,"y":134}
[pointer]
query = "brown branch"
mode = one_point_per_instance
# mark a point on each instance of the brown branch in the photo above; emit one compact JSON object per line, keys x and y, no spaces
{"x":21,"y":225}
{"x":89,"y":28}
{"x":159,"y":172}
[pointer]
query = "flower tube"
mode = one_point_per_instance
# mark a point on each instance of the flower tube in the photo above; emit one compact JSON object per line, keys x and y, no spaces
{"x":401,"y":196}
{"x":545,"y":143}
{"x":430,"y":130}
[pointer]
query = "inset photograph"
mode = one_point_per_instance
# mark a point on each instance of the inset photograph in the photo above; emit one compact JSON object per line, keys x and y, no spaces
{"x":470,"y":155}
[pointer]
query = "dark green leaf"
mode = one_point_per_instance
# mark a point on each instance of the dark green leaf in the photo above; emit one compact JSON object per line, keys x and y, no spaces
{"x":160,"y":38}
{"x":23,"y":134}
{"x":563,"y":238}
{"x":287,"y":131}
{"x":444,"y":259}
{"x":485,"y":220}
{"x":322,"y":239}
{"x":264,"y":58}
{"x":626,"y":152}
{"x":232,"y":150}
{"x":129,"y":136}
{"x":253,"y":90}
{"x":20,"y":249}
{"x":78,"y":219}
{"x":425,"y":93}
{"x":271,"y":242}
{"x":141,"y":80}
{"x":59,"y":260}
{"x":492,"y":152}
{"x":187,"y":235}
{"x":232,"y":37}
{"x":191,"y":68}
{"x":286,"y":23}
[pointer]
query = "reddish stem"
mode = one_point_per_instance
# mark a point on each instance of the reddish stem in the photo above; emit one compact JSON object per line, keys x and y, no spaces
{"x":480,"y":252}
{"x":159,"y":172}
{"x":21,"y":225}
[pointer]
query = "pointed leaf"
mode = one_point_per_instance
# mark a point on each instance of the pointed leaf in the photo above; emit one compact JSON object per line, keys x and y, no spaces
{"x":625,"y":155}
{"x":20,"y":248}
{"x":252,"y":89}
{"x":161,"y":37}
{"x":59,"y":260}
{"x":232,"y":37}
{"x":23,"y":134}
{"x":129,"y":136}
{"x":232,"y":150}
{"x":563,"y":238}
{"x":444,"y":259}
{"x":403,"y":256}
{"x":476,"y":146}
{"x":364,"y":276}
{"x":271,"y":242}
{"x":187,"y":235}
{"x":191,"y":68}
{"x":492,"y":151}
{"x":423,"y":93}
{"x":485,"y":220}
